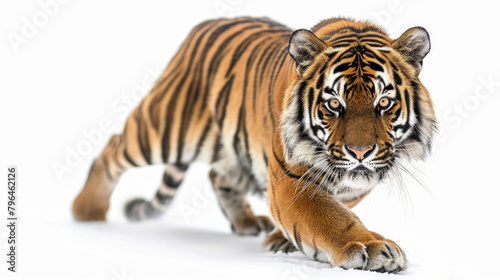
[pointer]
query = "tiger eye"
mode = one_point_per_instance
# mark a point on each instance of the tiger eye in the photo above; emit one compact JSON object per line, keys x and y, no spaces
{"x":384,"y":102}
{"x":334,"y":104}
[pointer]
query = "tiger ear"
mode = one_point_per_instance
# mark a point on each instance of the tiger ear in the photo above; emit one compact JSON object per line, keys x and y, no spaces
{"x":414,"y":45}
{"x":303,"y":47}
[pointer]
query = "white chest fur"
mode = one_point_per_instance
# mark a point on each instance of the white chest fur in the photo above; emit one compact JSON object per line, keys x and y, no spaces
{"x":349,"y":189}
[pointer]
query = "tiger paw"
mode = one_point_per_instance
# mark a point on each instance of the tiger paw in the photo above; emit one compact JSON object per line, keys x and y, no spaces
{"x":252,"y":225}
{"x":276,"y":242}
{"x":85,"y":210}
{"x":376,"y":255}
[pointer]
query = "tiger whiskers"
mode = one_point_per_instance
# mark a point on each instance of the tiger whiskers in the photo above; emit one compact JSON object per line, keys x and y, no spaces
{"x":405,"y":169}
{"x":418,"y":143}
{"x":311,"y":169}
{"x":301,"y":165}
{"x":326,"y":178}
{"x":402,"y":187}
{"x":309,"y":173}
{"x":410,"y":146}
{"x":317,"y":177}
{"x":312,"y":178}
{"x":288,"y":171}
{"x":309,"y":179}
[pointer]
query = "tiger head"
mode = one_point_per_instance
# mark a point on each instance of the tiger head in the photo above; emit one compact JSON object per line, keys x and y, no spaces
{"x":357,"y":106}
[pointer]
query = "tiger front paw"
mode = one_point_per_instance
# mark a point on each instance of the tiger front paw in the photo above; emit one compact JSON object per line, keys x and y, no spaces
{"x":376,"y":255}
{"x":276,"y":242}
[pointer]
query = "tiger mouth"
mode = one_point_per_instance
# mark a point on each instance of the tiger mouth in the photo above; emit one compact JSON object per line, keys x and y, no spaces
{"x":362,"y":171}
{"x":368,"y":171}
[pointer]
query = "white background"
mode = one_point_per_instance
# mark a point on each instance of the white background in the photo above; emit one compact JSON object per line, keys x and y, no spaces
{"x":82,"y":60}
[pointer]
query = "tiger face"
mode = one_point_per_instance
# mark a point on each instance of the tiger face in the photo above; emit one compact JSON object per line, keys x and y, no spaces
{"x":357,"y":107}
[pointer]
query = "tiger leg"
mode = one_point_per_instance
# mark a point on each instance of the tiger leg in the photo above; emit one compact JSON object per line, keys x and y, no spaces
{"x":233,"y":202}
{"x":93,"y":201}
{"x":326,"y":230}
{"x":277,"y":242}
{"x":136,"y":146}
{"x":141,"y":209}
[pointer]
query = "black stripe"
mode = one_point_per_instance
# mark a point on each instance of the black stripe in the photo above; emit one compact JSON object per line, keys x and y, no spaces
{"x":342,"y":67}
{"x":397,"y":114}
{"x":266,"y":159}
{"x":416,"y":101}
{"x":216,"y":154}
{"x":397,"y":78}
{"x":297,"y":238}
{"x":373,"y":41}
{"x":394,"y":67}
{"x":320,"y":81}
{"x":142,"y":137}
{"x":316,"y":252}
{"x":115,"y":154}
{"x":380,"y":59}
{"x":202,"y":139}
{"x":170,"y":182}
{"x":344,"y":42}
{"x":128,"y":158}
{"x":299,"y":93}
{"x":310,"y":106}
{"x":407,"y":104}
{"x":223,"y":96}
{"x":163,"y":198}
{"x":347,"y":36}
{"x":282,"y":164}
{"x":376,"y":67}
{"x":415,"y":135}
{"x":384,"y":156}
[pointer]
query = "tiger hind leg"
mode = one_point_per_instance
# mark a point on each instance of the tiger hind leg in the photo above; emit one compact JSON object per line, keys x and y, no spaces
{"x":233,"y":202}
{"x":141,"y":209}
{"x":92,"y":202}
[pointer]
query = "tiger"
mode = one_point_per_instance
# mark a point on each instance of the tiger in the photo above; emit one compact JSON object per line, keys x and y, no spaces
{"x":312,"y":119}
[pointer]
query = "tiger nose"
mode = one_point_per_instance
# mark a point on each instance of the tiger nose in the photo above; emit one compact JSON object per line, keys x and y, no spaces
{"x":360,"y":152}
